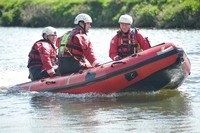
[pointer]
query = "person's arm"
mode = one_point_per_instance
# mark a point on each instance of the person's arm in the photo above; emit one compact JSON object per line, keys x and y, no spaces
{"x":45,"y":54}
{"x":87,"y":48}
{"x":113,"y":52}
{"x":142,"y":41}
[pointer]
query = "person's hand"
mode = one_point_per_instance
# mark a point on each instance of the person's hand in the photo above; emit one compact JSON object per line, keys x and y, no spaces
{"x":96,"y":65}
{"x":116,"y":58}
{"x":55,"y":67}
{"x":51,"y":74}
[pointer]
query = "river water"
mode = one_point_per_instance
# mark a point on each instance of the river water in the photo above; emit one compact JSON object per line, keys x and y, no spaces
{"x":31,"y":112}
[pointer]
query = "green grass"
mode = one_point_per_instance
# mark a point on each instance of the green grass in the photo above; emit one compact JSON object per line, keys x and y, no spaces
{"x":105,"y":13}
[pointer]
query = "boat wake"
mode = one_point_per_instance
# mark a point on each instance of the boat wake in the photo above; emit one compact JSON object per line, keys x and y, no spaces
{"x":133,"y":97}
{"x":4,"y":90}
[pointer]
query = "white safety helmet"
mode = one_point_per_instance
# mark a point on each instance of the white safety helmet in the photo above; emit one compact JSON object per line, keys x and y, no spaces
{"x":49,"y":31}
{"x":82,"y":17}
{"x":126,"y":19}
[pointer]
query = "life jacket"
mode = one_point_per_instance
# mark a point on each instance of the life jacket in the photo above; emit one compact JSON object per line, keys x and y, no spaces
{"x":69,"y":49}
{"x":34,"y":57}
{"x":127,"y":44}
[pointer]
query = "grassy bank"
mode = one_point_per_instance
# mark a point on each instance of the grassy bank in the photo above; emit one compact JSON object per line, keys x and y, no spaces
{"x":105,"y":13}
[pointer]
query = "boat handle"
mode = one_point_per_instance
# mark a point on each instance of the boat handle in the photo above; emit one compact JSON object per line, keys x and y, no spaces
{"x":119,"y":62}
{"x":50,"y":82}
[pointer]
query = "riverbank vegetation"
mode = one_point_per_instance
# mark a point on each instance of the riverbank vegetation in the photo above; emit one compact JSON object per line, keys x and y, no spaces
{"x":105,"y":13}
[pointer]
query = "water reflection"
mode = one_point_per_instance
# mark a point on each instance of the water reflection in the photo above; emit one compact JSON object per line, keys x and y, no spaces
{"x":126,"y":110}
{"x":169,"y":102}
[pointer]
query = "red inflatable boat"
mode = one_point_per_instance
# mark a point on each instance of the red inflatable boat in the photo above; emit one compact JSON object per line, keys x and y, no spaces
{"x":164,"y":66}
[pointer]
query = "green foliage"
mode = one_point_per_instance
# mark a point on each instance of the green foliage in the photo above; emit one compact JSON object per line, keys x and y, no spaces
{"x":11,"y":16}
{"x":145,"y":15}
{"x":37,"y":15}
{"x":180,"y":14}
{"x":111,"y":12}
{"x":105,"y":13}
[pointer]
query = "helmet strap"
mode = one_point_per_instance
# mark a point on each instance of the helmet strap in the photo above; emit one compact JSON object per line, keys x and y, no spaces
{"x":45,"y":36}
{"x":82,"y":24}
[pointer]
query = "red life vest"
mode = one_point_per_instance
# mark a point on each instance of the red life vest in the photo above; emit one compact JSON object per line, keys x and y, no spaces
{"x":34,"y":57}
{"x":127,"y":44}
{"x":71,"y":49}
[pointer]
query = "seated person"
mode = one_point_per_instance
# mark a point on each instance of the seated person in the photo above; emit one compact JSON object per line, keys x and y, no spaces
{"x":42,"y":57}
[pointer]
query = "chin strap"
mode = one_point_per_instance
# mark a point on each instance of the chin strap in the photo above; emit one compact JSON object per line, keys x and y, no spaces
{"x":83,"y":27}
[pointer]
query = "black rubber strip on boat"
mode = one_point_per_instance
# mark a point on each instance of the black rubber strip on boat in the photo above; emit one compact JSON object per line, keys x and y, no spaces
{"x":121,"y":71}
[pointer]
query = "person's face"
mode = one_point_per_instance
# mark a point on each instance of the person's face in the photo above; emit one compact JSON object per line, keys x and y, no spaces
{"x":52,"y":38}
{"x":125,"y":27}
{"x":87,"y":27}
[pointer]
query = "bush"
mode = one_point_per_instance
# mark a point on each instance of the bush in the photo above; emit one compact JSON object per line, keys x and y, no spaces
{"x":145,"y":16}
{"x":11,"y":14}
{"x":180,"y":15}
{"x":105,"y":13}
{"x":37,"y":15}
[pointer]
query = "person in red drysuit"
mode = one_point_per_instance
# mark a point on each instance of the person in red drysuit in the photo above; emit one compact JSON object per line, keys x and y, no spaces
{"x":75,"y":47}
{"x":42,"y":57}
{"x":127,"y":41}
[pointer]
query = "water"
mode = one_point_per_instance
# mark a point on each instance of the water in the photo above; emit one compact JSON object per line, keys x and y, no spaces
{"x":163,"y":111}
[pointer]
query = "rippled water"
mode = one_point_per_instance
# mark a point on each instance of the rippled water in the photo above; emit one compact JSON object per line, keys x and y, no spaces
{"x":163,"y":111}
